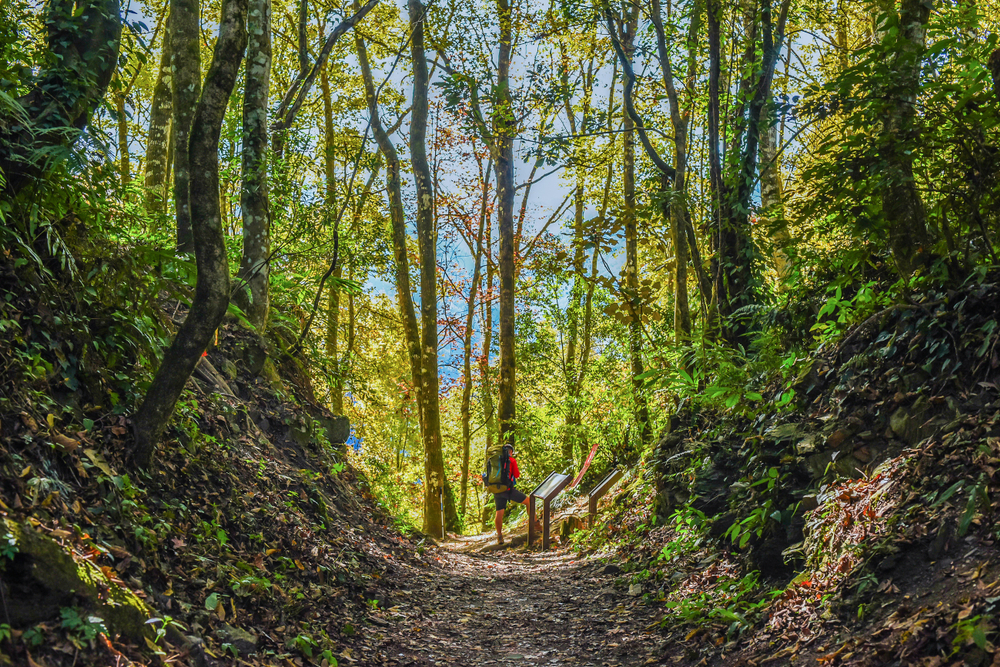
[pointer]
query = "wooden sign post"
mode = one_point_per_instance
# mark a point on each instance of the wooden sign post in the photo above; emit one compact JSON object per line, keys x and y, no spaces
{"x":547,"y":491}
{"x":602,"y":487}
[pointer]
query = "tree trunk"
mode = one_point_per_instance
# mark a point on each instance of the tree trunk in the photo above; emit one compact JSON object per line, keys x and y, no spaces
{"x":124,"y":161}
{"x":673,"y":190}
{"x":333,"y":303}
{"x":184,"y":26}
{"x":632,"y":250}
{"x":83,"y":39}
{"x":504,"y":130}
{"x":434,"y":480}
{"x":771,"y":199}
{"x":485,"y":385}
{"x":158,"y":137}
{"x":398,"y":219}
{"x":901,"y":203}
{"x":736,"y":280}
{"x":254,"y":275}
{"x":572,"y":368}
{"x":467,"y":340}
{"x":211,"y":296}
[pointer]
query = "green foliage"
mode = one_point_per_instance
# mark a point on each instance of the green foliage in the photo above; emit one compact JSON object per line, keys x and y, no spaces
{"x":689,"y":534}
{"x":161,"y":625}
{"x":81,"y":628}
{"x":8,"y":547}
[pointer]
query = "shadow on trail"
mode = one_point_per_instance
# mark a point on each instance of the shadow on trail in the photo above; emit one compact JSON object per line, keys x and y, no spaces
{"x":515,"y":607}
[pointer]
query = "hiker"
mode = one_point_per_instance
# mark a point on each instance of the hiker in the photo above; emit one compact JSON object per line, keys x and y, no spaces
{"x":509,"y":474}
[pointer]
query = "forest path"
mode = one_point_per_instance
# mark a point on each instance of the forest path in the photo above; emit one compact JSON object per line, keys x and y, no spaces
{"x":514,"y":609}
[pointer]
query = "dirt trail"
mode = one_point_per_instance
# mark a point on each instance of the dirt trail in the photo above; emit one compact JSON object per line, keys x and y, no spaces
{"x":512,"y":608}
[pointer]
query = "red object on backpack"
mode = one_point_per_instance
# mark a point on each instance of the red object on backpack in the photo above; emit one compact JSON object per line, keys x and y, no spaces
{"x":514,"y":472}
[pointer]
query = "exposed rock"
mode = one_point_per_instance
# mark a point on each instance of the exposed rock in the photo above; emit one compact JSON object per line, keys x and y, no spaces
{"x":43,"y":577}
{"x":635,"y":590}
{"x":336,"y":428}
{"x":942,"y":540}
{"x":809,"y":503}
{"x":909,"y":424}
{"x":806,"y":446}
{"x":243,"y":641}
{"x":229,"y":368}
{"x":837,"y":438}
{"x":253,"y":353}
{"x":611,"y":570}
{"x":786,"y":432}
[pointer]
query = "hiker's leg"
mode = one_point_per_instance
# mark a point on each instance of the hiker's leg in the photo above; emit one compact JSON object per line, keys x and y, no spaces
{"x":499,"y":522}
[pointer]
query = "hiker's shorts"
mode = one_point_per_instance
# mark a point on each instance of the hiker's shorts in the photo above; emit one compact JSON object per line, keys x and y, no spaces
{"x":501,"y":499}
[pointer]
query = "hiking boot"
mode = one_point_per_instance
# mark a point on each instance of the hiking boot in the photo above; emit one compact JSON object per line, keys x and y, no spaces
{"x":500,"y":539}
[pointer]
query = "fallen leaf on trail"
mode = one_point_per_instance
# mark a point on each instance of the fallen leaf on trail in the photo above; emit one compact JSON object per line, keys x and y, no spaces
{"x":32,"y":426}
{"x":98,"y":461}
{"x":64,"y":443}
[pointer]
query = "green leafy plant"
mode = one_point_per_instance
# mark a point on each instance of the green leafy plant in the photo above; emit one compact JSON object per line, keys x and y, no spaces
{"x":81,"y":628}
{"x":689,"y":531}
{"x":33,"y":636}
{"x":161,"y":631}
{"x":304,"y":644}
{"x":8,"y":546}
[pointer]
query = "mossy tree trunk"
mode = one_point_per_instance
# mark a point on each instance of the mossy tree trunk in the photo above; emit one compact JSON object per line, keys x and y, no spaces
{"x":157,"y":167}
{"x":632,"y":249}
{"x":505,"y":126}
{"x":398,"y":222}
{"x":434,"y":480}
{"x":211,"y":296}
{"x":252,"y":294}
{"x":333,"y":298}
{"x":902,"y":205}
{"x":184,"y":26}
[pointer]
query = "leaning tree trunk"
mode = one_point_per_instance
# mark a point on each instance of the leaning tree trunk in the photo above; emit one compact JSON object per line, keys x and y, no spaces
{"x":185,"y":64}
{"x":83,"y":40}
{"x":251,"y":294}
{"x":211,"y":295}
{"x":901,"y":203}
{"x":296,"y":94}
{"x":158,"y":136}
{"x":398,"y":221}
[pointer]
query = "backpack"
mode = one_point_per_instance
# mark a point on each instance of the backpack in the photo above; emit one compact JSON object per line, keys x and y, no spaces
{"x":496,"y":478}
